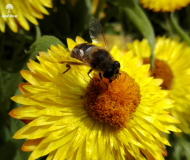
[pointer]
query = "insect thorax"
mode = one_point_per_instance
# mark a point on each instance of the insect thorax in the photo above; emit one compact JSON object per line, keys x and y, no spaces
{"x":101,"y":59}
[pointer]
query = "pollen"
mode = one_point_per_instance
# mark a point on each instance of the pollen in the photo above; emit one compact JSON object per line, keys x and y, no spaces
{"x":163,"y":71}
{"x":116,"y":105}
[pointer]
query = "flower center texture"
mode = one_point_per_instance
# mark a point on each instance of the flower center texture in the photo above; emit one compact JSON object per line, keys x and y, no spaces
{"x":163,"y":71}
{"x":116,"y":105}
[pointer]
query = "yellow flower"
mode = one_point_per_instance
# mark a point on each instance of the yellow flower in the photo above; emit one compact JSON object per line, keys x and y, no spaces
{"x":164,"y":5}
{"x":70,"y":116}
{"x":172,"y":64}
{"x":23,"y":10}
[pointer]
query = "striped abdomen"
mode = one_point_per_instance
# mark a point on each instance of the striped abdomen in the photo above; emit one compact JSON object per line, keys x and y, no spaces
{"x":82,"y":50}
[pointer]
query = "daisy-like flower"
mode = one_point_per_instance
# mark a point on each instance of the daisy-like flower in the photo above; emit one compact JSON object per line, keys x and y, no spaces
{"x":23,"y":10}
{"x":172,"y":64}
{"x":70,"y":116}
{"x":164,"y":5}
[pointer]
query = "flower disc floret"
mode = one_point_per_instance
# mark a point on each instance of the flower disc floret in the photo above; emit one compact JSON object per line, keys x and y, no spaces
{"x":116,"y":105}
{"x":162,"y":71}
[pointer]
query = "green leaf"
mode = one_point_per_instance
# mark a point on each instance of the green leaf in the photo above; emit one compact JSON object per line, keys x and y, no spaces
{"x":44,"y":43}
{"x":141,"y":21}
{"x":1,"y":91}
{"x":2,"y":43}
{"x":177,"y":152}
{"x":10,"y":88}
{"x":180,"y":147}
{"x":15,"y":125}
{"x":8,"y":151}
{"x":178,"y":29}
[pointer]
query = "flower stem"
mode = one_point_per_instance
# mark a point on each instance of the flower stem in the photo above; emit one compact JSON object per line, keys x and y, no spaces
{"x":99,"y":8}
{"x":178,"y":29}
{"x":141,"y":21}
{"x":168,"y":25}
{"x":38,"y":32}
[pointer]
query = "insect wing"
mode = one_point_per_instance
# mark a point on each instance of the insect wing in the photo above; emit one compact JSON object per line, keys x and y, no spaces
{"x":97,"y":33}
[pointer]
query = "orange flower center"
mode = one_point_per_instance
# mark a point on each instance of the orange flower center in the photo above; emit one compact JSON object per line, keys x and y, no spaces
{"x":116,"y":105}
{"x":163,"y":71}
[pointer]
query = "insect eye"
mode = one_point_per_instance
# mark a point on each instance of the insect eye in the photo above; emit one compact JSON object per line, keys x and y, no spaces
{"x":108,"y":73}
{"x":117,"y":64}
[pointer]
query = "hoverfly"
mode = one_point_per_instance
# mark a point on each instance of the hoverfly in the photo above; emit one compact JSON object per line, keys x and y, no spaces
{"x":98,"y":58}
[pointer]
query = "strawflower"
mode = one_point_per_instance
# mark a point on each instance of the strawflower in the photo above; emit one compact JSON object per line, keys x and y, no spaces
{"x":172,"y":64}
{"x":23,"y":10}
{"x":70,"y":116}
{"x":164,"y":5}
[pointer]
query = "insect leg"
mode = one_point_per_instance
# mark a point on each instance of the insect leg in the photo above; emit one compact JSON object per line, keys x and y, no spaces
{"x":102,"y":80}
{"x":68,"y":67}
{"x":89,"y":73}
{"x":71,"y":63}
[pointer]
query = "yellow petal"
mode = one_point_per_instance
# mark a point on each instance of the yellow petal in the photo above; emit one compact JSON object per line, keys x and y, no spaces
{"x":71,"y":44}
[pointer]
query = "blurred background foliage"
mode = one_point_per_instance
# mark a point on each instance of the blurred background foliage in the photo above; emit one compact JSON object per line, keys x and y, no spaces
{"x":122,"y":20}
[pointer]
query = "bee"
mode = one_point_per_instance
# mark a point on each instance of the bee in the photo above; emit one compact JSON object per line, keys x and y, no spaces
{"x":98,"y":58}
